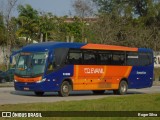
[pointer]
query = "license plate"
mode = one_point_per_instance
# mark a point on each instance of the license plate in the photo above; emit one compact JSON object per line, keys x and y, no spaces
{"x":26,"y":88}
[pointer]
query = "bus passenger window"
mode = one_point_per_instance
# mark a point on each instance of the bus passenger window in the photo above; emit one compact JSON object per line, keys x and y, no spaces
{"x":104,"y":58}
{"x":75,"y":57}
{"x":89,"y":58}
{"x":118,"y":58}
{"x":145,"y":59}
{"x":132,"y":59}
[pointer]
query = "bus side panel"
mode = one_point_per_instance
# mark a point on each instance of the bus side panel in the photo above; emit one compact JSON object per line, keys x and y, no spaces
{"x":141,"y":77}
{"x":56,"y":78}
{"x":99,"y":77}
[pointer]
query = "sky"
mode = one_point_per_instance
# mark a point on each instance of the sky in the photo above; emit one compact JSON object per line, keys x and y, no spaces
{"x":56,"y":7}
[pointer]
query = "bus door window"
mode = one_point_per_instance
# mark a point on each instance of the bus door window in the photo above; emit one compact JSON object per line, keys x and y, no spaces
{"x":60,"y":55}
{"x":59,"y":58}
{"x":50,"y":68}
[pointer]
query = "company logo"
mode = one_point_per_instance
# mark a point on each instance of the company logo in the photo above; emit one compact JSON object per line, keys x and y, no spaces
{"x":6,"y":114}
{"x":93,"y":70}
{"x":141,"y":72}
{"x":66,"y":74}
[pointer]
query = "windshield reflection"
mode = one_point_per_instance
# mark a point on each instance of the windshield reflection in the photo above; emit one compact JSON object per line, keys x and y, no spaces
{"x":31,"y":64}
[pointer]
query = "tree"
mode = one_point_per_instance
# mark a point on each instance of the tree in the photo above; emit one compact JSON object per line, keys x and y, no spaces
{"x":135,"y":8}
{"x":2,"y":29}
{"x":64,"y":30}
{"x":108,"y":30}
{"x":114,"y":7}
{"x":27,"y":22}
{"x":83,"y":8}
{"x":8,"y":29}
{"x":46,"y":25}
{"x":131,"y":23}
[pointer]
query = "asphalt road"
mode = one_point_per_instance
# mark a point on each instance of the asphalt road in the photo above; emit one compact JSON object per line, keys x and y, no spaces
{"x":9,"y":96}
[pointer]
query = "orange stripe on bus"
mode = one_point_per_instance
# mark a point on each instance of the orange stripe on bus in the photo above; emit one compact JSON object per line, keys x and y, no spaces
{"x":128,"y":71}
{"x":104,"y":74}
{"x":19,"y":79}
{"x":108,"y":47}
{"x":98,"y":77}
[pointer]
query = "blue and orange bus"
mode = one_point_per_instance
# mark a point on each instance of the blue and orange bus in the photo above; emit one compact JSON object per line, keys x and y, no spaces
{"x":63,"y":67}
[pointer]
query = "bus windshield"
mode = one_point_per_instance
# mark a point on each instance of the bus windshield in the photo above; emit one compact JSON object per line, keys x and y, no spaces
{"x":31,"y":64}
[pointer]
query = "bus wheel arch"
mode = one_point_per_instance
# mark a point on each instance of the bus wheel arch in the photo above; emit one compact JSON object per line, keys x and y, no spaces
{"x":65,"y":87}
{"x":70,"y":83}
{"x":124,"y":79}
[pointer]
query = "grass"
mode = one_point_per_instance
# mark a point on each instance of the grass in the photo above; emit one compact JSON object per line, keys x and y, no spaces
{"x":141,"y":102}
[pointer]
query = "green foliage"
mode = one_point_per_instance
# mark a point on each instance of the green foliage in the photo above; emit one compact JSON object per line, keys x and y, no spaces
{"x":2,"y":29}
{"x":119,"y":22}
{"x":27,"y":22}
{"x":32,"y":24}
{"x":64,"y":29}
{"x":130,"y":23}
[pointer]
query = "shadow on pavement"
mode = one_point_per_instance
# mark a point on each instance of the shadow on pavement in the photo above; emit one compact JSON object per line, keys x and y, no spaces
{"x":73,"y":93}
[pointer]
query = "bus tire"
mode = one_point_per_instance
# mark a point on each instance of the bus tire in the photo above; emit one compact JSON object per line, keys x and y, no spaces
{"x":123,"y":87}
{"x":39,"y":93}
{"x":98,"y":92}
{"x":65,"y":89}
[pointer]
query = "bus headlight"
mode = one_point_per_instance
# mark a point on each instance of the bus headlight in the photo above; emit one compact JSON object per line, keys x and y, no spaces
{"x":15,"y":81}
{"x":44,"y":79}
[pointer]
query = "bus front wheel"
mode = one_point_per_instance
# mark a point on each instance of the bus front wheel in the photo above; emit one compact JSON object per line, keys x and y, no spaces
{"x":65,"y":89}
{"x":39,"y":93}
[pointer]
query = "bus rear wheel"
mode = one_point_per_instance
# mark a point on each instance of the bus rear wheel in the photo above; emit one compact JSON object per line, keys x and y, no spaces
{"x":122,"y":90}
{"x":98,"y":91}
{"x":65,"y":89}
{"x":123,"y":87}
{"x":39,"y":93}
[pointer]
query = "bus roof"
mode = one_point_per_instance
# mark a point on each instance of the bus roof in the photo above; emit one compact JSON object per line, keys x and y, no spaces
{"x":45,"y":46}
{"x":108,"y":47}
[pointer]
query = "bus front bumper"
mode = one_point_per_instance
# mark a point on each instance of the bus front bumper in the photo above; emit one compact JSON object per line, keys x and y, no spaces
{"x":44,"y":87}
